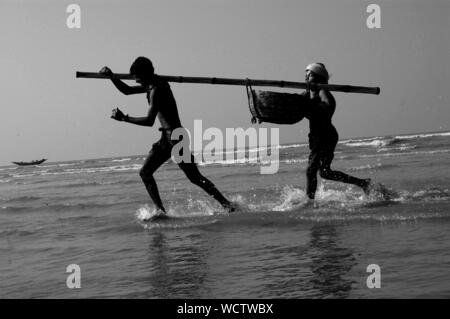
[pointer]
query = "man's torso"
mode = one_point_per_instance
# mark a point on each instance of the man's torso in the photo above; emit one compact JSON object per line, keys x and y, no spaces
{"x":322,"y":130}
{"x":166,"y":105}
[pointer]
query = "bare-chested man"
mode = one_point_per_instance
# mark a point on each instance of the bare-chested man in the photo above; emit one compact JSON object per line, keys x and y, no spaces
{"x":162,"y":105}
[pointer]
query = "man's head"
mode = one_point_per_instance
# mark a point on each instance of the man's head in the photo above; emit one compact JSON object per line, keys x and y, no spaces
{"x":142,"y":69}
{"x":316,"y":73}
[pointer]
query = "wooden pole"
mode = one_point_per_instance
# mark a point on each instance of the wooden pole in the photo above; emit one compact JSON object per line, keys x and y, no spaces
{"x":285,"y":84}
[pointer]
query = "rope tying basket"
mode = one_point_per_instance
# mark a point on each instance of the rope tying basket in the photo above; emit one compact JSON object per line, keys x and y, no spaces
{"x":275,"y":107}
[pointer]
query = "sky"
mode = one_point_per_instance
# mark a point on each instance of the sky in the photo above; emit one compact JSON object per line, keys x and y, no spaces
{"x":47,"y":112}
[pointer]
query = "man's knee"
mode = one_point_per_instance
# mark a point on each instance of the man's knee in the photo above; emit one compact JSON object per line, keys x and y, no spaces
{"x":325,"y":173}
{"x":145,"y":174}
{"x":191,"y":171}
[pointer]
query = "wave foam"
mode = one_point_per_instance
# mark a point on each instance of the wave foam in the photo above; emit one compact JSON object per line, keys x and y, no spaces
{"x":365,"y":167}
{"x":373,"y":143}
{"x":422,"y":135}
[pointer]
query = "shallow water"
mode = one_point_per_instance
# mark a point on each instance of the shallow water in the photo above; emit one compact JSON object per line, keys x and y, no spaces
{"x":91,"y":213}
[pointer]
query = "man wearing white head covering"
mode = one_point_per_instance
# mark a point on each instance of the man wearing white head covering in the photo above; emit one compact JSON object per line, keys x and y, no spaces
{"x":323,"y":136}
{"x":319,"y":69}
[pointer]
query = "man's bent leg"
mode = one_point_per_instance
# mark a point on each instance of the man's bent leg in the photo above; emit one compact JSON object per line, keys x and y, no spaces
{"x":327,"y":173}
{"x":338,"y":176}
{"x":194,"y":175}
{"x":153,"y":161}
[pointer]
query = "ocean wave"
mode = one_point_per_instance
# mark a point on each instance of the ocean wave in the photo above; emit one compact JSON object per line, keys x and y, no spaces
{"x":402,"y":147}
{"x":373,"y":143}
{"x":376,"y":142}
{"x":126,"y":159}
{"x":74,"y":171}
{"x":292,"y":146}
{"x":251,"y":150}
{"x":383,"y":141}
{"x":97,"y":183}
{"x":233,"y":161}
{"x":362,"y":139}
{"x":58,"y":165}
{"x":252,"y":161}
{"x":389,"y":140}
{"x":425,"y":135}
{"x":122,"y":160}
{"x":256,"y":149}
{"x":366,"y":167}
{"x":120,"y":168}
{"x":22,"y":175}
{"x":294,"y":161}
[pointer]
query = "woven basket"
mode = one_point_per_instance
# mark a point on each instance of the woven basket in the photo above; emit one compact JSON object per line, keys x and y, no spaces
{"x":275,"y":107}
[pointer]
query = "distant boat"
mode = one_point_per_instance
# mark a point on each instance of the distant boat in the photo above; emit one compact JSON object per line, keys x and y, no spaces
{"x":37,"y":162}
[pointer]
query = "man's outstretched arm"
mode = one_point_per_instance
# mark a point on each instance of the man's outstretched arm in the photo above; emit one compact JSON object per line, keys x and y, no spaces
{"x":126,"y":89}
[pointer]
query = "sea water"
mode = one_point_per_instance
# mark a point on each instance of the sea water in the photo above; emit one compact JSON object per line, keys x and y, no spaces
{"x":92,"y":213}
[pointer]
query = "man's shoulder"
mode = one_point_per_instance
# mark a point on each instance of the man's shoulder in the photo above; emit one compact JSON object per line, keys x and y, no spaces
{"x":325,"y":94}
{"x":159,"y":85}
{"x":160,"y":82}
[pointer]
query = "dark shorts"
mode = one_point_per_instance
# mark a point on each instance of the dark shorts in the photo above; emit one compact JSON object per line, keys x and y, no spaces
{"x":322,"y":150}
{"x":162,"y":151}
{"x":165,"y":144}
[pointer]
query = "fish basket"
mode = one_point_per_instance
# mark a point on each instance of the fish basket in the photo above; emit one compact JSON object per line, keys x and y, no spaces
{"x":276,"y":107}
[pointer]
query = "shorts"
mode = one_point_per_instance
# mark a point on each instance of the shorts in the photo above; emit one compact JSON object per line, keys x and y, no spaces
{"x":162,"y":150}
{"x":322,"y":150}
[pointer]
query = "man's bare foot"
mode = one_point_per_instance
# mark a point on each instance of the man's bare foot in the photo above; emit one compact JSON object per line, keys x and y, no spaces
{"x":159,"y":214}
{"x":309,"y":203}
{"x":231,"y":207}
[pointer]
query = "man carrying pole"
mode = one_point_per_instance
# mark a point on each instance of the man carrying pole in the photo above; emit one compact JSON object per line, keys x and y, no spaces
{"x":162,"y":105}
{"x":323,"y":136}
{"x":316,"y":104}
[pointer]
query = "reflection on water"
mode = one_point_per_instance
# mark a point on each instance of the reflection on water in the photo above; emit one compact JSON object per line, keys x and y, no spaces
{"x":178,"y":265}
{"x":313,"y":266}
{"x":330,"y":263}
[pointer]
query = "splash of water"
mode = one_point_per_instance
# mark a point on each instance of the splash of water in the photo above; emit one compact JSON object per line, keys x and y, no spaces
{"x":145,"y":213}
{"x":194,"y":208}
{"x":344,"y":204}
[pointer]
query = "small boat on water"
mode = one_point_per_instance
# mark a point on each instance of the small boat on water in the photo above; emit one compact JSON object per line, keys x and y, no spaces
{"x":37,"y":162}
